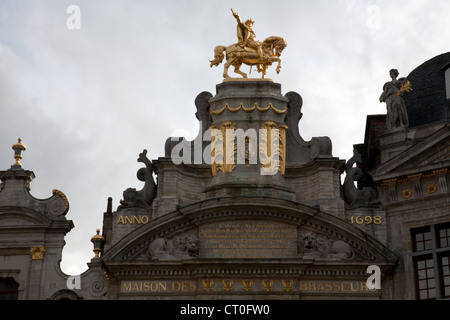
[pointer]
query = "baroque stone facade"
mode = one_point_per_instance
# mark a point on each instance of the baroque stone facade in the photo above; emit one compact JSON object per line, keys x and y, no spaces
{"x":268,"y":218}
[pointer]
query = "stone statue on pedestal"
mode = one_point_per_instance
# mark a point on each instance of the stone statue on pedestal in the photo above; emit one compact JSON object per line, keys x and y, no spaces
{"x":249,"y":51}
{"x":393,"y":91}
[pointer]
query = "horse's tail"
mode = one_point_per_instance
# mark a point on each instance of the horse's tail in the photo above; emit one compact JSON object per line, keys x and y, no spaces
{"x":218,"y":55}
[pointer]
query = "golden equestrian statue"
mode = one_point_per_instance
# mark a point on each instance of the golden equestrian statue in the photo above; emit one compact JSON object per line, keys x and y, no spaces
{"x":249,"y":51}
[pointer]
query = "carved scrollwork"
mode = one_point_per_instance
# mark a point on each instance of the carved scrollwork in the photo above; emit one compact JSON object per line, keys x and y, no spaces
{"x":353,"y":196}
{"x":184,"y":246}
{"x":144,"y":197}
{"x":314,"y":246}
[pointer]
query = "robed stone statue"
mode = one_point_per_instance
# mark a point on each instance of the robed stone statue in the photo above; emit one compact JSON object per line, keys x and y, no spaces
{"x":393,"y":92}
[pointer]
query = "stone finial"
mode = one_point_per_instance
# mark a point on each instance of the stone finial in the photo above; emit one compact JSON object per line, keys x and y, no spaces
{"x":18,"y":148}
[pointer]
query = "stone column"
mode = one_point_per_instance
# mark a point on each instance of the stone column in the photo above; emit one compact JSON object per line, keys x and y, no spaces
{"x":35,"y":282}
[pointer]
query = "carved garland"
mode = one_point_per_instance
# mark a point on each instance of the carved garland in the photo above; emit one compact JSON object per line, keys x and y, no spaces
{"x":241,"y":106}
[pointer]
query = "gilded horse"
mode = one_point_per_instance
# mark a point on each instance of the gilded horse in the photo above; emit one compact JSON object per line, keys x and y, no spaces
{"x":236,"y":55}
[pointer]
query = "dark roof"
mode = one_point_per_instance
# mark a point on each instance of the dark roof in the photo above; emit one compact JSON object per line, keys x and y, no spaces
{"x":427,"y":103}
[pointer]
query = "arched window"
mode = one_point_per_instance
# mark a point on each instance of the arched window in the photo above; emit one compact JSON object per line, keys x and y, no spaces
{"x":9,"y":289}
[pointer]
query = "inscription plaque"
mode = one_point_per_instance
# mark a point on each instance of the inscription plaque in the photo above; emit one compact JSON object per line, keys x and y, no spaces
{"x":248,"y":239}
{"x":287,"y":286}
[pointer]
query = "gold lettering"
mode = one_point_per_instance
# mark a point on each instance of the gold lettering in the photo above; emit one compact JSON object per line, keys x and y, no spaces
{"x":320,"y":287}
{"x":127,"y":286}
{"x":163,"y":286}
{"x":333,"y":286}
{"x":303,"y":286}
{"x":176,"y":286}
{"x":133,"y":219}
{"x":344,"y":286}
{"x":129,"y":219}
{"x":336,"y":286}
{"x":185,"y":286}
{"x":351,"y":286}
{"x":364,"y":286}
{"x":145,"y":286}
{"x":191,"y":285}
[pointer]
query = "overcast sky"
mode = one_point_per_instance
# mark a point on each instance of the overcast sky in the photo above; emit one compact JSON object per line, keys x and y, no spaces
{"x":87,"y":101}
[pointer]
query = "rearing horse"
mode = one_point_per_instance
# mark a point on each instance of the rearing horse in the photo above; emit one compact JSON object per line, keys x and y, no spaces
{"x":236,"y":55}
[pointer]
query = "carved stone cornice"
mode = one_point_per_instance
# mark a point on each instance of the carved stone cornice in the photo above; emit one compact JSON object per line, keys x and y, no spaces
{"x":413,"y":177}
{"x":242,"y":269}
{"x":415,"y":186}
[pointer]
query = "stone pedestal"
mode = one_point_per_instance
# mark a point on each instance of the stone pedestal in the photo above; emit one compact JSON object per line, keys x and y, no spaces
{"x":248,"y":140}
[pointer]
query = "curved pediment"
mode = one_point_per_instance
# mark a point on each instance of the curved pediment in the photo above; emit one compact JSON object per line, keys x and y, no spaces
{"x":261,"y":228}
{"x":22,"y":217}
{"x":15,"y":192}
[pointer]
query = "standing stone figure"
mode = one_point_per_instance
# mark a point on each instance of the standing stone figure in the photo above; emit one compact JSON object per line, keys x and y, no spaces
{"x":393,"y":92}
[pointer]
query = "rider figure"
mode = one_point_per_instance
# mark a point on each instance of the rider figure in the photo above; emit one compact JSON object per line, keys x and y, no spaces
{"x":246,"y":35}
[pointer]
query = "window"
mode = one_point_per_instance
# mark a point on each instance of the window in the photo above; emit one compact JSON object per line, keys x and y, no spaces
{"x":9,"y":289}
{"x":425,"y":278}
{"x":444,"y":236}
{"x":422,"y":239}
{"x":431,"y":257}
{"x":447,"y":82}
{"x":445,"y":263}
